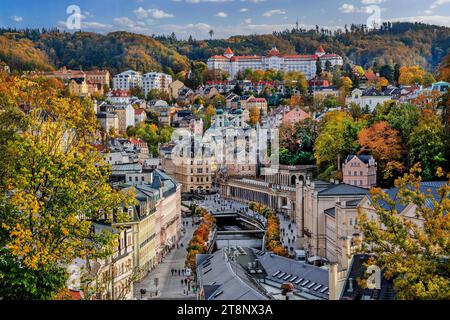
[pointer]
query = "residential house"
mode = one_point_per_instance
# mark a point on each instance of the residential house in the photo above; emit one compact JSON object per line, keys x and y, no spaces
{"x":257,"y":103}
{"x":109,"y":121}
{"x":79,"y":87}
{"x":174,"y":89}
{"x":139,"y":115}
{"x":360,"y":170}
{"x":294,"y":116}
{"x":370,"y":98}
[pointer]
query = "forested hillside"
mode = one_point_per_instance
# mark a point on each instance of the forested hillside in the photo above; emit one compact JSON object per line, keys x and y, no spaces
{"x":402,"y":43}
{"x":115,"y":51}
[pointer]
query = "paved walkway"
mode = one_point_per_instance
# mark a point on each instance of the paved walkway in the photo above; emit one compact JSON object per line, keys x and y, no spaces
{"x":217,"y":205}
{"x":169,"y":286}
{"x":288,"y":233}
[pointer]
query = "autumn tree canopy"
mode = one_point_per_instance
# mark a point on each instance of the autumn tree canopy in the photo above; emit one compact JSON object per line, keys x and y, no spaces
{"x":412,"y":251}
{"x":385,"y":144}
{"x":53,"y":183}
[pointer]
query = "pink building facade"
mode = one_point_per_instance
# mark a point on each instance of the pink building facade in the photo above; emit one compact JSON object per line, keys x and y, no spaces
{"x":360,"y":170}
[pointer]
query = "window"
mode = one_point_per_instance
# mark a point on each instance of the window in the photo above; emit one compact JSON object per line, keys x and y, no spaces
{"x":360,"y":173}
{"x":351,"y":221}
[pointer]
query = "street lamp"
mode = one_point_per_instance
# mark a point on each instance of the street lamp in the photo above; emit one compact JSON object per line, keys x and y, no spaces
{"x":156,"y":282}
{"x":143,"y":291}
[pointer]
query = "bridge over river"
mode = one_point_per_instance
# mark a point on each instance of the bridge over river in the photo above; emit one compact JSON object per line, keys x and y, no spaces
{"x":237,"y":225}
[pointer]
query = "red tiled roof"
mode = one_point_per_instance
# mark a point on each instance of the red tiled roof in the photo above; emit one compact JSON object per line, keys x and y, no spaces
{"x":273,"y":53}
{"x":235,"y":58}
{"x":370,"y":76}
{"x":321,"y":49}
{"x":119,"y":93}
{"x":257,"y":100}
{"x":219,"y":57}
{"x":228,"y":51}
{"x":301,"y":56}
{"x":136,"y":141}
{"x":330,"y":55}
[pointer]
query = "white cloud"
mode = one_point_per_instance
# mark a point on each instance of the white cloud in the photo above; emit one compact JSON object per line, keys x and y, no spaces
{"x":253,"y":1}
{"x":247,"y":21}
{"x":221,"y":14}
{"x":243,"y":10}
{"x":347,"y":8}
{"x":201,"y":1}
{"x":372,"y":1}
{"x":438,"y":3}
{"x":436,"y":20}
{"x":16,"y":19}
{"x":274,"y":12}
{"x":89,"y":26}
{"x":141,"y":13}
{"x":88,"y":14}
{"x":370,"y":9}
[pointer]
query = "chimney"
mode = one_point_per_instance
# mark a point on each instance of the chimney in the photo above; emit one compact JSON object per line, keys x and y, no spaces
{"x":332,"y":282}
{"x":350,"y":285}
{"x":346,"y":253}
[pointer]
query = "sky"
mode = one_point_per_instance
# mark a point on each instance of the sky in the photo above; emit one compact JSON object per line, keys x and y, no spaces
{"x":224,"y":17}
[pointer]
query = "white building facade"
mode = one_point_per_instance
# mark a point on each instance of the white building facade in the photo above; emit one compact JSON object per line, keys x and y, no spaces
{"x":274,"y":61}
{"x":127,"y":80}
{"x":156,"y":80}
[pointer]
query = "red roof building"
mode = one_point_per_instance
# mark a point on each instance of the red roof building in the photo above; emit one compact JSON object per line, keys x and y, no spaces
{"x":274,"y":52}
{"x":274,"y":60}
{"x":229,"y":51}
{"x":321,"y":50}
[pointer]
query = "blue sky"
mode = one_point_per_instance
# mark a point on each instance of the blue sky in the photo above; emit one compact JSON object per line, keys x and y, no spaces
{"x":225,"y":17}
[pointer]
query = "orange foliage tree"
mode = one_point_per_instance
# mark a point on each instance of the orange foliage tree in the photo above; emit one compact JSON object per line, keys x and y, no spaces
{"x":201,"y":236}
{"x":273,"y":242}
{"x":385,"y":144}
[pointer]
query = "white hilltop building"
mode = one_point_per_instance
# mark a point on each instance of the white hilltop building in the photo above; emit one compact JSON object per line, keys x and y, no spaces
{"x":273,"y":60}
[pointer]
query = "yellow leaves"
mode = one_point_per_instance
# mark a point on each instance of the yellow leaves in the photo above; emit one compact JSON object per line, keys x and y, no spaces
{"x":57,"y":181}
{"x":414,"y":75}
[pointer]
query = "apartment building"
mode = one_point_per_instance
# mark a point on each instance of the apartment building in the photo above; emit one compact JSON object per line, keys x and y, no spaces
{"x":156,"y":80}
{"x":127,"y":80}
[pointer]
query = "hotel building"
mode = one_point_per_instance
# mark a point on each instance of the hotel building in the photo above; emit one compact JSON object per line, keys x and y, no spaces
{"x":275,"y":61}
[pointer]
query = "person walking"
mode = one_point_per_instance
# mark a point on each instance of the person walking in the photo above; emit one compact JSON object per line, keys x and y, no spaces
{"x":179,"y":272}
{"x":182,"y":282}
{"x":185,"y":282}
{"x":171,"y":271}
